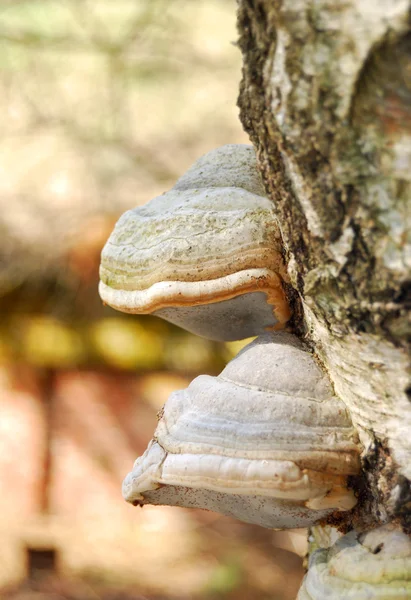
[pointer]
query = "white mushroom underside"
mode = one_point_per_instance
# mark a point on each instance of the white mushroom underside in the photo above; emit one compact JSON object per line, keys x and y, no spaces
{"x":243,"y":316}
{"x":271,"y":513}
{"x":239,"y":317}
{"x":279,"y":479}
{"x":163,"y":483}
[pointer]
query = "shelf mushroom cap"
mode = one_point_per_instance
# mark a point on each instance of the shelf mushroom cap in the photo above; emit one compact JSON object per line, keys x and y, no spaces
{"x":266,"y":441}
{"x":375,"y":565}
{"x":206,"y":255}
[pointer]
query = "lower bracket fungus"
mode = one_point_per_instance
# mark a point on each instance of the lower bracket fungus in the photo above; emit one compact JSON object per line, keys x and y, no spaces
{"x":375,"y":565}
{"x":266,"y":442}
{"x":206,"y":255}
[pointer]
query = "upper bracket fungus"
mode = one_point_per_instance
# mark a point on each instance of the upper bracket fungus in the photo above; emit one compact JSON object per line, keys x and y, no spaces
{"x":206,"y":255}
{"x":266,"y":441}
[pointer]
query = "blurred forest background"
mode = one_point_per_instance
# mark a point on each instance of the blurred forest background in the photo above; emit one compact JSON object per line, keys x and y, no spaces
{"x":104,"y":104}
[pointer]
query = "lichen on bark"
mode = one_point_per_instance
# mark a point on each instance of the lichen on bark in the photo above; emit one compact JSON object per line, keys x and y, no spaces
{"x":326,"y":99}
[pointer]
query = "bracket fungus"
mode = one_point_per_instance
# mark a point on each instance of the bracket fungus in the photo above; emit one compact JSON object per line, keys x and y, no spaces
{"x":266,"y":441}
{"x":375,"y":565}
{"x":206,"y":255}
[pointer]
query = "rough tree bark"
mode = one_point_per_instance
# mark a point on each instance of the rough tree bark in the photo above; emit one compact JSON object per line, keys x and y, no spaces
{"x":326,"y":100}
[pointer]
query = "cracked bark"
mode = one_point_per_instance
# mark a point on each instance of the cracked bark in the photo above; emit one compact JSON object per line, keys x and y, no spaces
{"x":326,"y":100}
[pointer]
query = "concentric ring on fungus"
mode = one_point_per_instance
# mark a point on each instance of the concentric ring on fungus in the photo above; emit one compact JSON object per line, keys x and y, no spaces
{"x":266,"y":442}
{"x":207,"y":255}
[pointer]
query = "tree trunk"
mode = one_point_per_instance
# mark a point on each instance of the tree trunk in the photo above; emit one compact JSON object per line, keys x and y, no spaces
{"x":326,"y":100}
